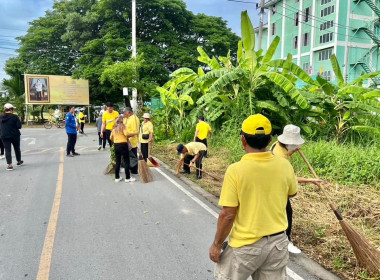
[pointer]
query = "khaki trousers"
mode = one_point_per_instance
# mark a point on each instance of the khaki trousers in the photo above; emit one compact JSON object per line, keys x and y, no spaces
{"x":264,"y":260}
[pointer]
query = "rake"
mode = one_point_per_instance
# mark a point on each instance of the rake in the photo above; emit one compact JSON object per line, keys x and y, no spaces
{"x":366,"y":254}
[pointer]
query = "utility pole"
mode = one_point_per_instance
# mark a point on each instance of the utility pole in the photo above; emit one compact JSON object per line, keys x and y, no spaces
{"x":134,"y":54}
{"x":261,"y":23}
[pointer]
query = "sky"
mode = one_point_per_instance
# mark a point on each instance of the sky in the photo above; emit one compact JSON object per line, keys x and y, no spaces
{"x":16,"y":14}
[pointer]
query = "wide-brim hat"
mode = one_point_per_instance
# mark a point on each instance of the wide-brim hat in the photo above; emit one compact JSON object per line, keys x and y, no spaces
{"x":146,"y":116}
{"x":9,"y":106}
{"x":291,"y":135}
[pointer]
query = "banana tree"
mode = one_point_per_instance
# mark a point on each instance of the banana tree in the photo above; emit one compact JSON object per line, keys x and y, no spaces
{"x":350,"y":105}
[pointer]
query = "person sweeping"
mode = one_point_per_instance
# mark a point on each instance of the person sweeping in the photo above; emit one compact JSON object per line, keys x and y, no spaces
{"x":191,"y":153}
{"x":288,"y":143}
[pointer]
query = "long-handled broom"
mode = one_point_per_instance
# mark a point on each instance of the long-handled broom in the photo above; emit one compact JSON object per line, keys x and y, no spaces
{"x":366,"y":254}
{"x":145,"y":173}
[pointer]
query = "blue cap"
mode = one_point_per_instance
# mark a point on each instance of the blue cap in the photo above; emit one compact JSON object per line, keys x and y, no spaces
{"x":180,"y":148}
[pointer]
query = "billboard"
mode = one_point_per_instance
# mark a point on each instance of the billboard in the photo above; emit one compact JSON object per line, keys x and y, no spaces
{"x":59,"y":90}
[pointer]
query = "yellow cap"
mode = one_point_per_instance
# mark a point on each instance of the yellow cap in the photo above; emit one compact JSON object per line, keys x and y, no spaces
{"x":252,"y":124}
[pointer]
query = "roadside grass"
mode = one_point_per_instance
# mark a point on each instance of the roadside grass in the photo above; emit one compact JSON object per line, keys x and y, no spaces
{"x":353,"y":185}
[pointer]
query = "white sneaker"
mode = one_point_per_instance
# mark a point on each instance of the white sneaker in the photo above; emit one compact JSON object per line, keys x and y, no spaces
{"x":118,"y":180}
{"x":132,"y":179}
{"x":293,"y":249}
{"x":2,"y":156}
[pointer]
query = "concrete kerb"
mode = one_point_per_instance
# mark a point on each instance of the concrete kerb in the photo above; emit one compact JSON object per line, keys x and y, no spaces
{"x":302,"y":260}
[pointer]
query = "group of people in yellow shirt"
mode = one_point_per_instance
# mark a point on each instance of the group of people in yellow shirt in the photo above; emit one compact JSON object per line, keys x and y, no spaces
{"x":125,"y":133}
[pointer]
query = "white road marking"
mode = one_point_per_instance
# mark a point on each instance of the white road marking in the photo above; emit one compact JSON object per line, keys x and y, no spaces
{"x":33,"y":142}
{"x":290,"y":272}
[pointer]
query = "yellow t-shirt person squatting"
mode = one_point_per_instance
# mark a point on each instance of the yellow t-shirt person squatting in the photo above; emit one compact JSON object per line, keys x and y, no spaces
{"x":110,"y":119}
{"x":132,"y":123}
{"x":259,"y":185}
{"x":280,"y":151}
{"x":203,"y":130}
{"x":194,"y":148}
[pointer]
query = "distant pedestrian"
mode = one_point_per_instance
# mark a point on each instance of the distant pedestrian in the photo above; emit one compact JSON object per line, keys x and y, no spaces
{"x":202,"y":130}
{"x":288,"y":143}
{"x":103,"y":110}
{"x":191,"y":153}
{"x":119,"y":138}
{"x":81,"y":118}
{"x":10,"y":126}
{"x":146,"y":136}
{"x":71,"y":130}
{"x":132,"y":122}
{"x":109,"y":118}
{"x":2,"y":155}
{"x":253,"y":197}
{"x":99,"y":123}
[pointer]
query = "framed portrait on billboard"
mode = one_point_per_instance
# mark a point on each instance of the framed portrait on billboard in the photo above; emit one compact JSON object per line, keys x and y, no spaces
{"x":37,"y":89}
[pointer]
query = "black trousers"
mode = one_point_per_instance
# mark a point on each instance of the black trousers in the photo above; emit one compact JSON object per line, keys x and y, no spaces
{"x":107,"y":136}
{"x":198,"y":163}
{"x":204,"y":141}
{"x":1,"y":147}
{"x":102,"y":141}
{"x":82,"y":127}
{"x":121,"y":151}
{"x":145,"y":150}
{"x":8,"y":143}
{"x":289,"y":214}
{"x":71,"y":140}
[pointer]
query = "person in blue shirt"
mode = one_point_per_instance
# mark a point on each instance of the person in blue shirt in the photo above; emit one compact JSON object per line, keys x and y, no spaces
{"x":71,"y":130}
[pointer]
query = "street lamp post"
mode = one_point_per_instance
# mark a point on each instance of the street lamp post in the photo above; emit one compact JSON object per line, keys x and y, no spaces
{"x":134,"y":54}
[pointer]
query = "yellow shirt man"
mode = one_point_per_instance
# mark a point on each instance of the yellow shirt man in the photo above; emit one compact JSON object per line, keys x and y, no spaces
{"x":133,"y":123}
{"x":81,"y":117}
{"x":194,"y":148}
{"x":110,"y":119}
{"x":147,"y":128}
{"x":203,"y":130}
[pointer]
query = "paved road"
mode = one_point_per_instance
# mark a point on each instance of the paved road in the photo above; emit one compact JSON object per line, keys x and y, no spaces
{"x":61,"y":218}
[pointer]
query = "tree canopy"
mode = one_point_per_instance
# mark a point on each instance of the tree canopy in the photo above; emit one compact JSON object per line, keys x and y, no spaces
{"x":87,"y":38}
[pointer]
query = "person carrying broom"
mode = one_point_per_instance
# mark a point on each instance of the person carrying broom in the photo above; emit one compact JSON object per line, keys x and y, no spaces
{"x":119,"y":138}
{"x":288,"y":143}
{"x":191,"y":153}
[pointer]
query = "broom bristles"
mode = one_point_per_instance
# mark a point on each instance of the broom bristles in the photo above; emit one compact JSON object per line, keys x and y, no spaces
{"x":366,"y":254}
{"x":145,"y":173}
{"x":109,"y":169}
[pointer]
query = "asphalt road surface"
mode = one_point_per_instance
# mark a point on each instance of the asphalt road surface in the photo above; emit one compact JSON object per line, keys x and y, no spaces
{"x":61,"y":218}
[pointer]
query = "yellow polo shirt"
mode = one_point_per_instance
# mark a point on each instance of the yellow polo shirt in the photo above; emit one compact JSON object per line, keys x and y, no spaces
{"x":110,"y":119}
{"x":203,"y":129}
{"x":147,"y":128}
{"x":119,"y":137}
{"x":132,"y":123}
{"x":193,"y":148}
{"x":80,"y":117}
{"x":280,"y":151}
{"x":259,"y":185}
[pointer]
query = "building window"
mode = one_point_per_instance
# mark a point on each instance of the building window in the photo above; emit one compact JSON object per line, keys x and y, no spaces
{"x":327,"y":11}
{"x":296,"y":16}
{"x":324,"y":55}
{"x":328,"y":37}
{"x":274,"y":9}
{"x":326,"y":75}
{"x":295,"y":42}
{"x":326,"y":25}
{"x":325,"y":2}
{"x":305,"y":39}
{"x":306,"y":15}
{"x":306,"y":67}
{"x":273,"y":29}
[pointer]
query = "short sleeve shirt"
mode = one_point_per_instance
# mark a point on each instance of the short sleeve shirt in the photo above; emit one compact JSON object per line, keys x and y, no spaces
{"x":203,"y":129}
{"x":110,"y":119}
{"x":194,"y":148}
{"x":280,"y":151}
{"x":146,"y":128}
{"x":133,"y":124}
{"x":259,"y":185}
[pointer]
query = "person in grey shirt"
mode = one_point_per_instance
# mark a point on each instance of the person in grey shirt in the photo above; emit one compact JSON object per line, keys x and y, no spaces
{"x":102,"y":141}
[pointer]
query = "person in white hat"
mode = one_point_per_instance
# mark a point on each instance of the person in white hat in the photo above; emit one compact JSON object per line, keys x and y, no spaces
{"x":10,"y":126}
{"x":146,"y":135}
{"x":288,"y":143}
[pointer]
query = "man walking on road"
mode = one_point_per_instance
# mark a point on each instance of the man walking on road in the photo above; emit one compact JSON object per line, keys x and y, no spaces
{"x":202,"y":130}
{"x":10,"y":126}
{"x":109,"y":119}
{"x":254,"y":195}
{"x":71,"y":130}
{"x":191,"y":153}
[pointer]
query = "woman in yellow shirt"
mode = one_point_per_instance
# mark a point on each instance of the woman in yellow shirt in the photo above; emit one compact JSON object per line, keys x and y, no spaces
{"x":120,"y":140}
{"x":146,"y":135}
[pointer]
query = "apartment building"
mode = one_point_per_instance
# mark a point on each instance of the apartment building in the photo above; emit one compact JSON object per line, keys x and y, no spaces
{"x":312,"y":30}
